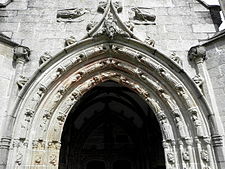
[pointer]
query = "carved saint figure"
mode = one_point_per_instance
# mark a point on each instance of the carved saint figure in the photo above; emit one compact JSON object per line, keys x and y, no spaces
{"x":167,"y":130}
{"x":56,"y":99}
{"x":155,"y":105}
{"x":181,"y":92}
{"x":54,"y":76}
{"x":36,"y":99}
{"x":180,"y":127}
{"x":69,"y":103}
{"x":168,"y":99}
{"x":198,"y":124}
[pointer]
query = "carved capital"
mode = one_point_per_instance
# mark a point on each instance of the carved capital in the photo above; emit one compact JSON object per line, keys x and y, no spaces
{"x":21,"y":54}
{"x":5,"y":143}
{"x":197,"y":54}
{"x":217,"y":140}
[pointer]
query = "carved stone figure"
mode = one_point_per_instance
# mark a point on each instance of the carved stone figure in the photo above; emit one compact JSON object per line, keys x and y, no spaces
{"x":168,"y":99}
{"x":197,"y":123}
{"x":198,"y":80}
{"x":186,"y":156}
{"x":21,"y":53}
{"x":19,"y":158}
{"x":37,"y":159}
{"x":181,"y":92}
{"x":197,"y":54}
{"x":141,"y":17}
{"x":167,"y":129}
{"x":22,"y":81}
{"x":204,"y":156}
{"x":69,"y":103}
{"x":36,"y":98}
{"x":111,"y":29}
{"x":180,"y":127}
{"x":56,"y":99}
{"x":44,"y":58}
{"x":167,"y":76}
{"x":154,"y":104}
{"x":150,"y":41}
{"x":54,"y":76}
{"x":101,"y":6}
{"x":69,"y":15}
{"x":69,"y":41}
{"x":53,"y":160}
{"x":176,"y":59}
{"x":171,"y":158}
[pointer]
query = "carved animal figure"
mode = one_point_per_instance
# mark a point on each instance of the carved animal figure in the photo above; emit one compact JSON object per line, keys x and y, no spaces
{"x":71,"y":13}
{"x":142,"y":16}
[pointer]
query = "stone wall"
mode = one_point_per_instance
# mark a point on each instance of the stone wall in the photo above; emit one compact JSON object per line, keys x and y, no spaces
{"x":216,"y":68}
{"x":6,"y":77}
{"x":33,"y":23}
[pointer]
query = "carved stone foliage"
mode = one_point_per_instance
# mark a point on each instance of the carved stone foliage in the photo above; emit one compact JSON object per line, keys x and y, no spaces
{"x":176,"y":59}
{"x":111,"y":29}
{"x":69,"y":41}
{"x":129,"y":25}
{"x":38,"y":144}
{"x":54,"y":145}
{"x":91,"y":25}
{"x":102,"y":5}
{"x":44,"y":58}
{"x":150,"y":41}
{"x":22,"y":81}
{"x":142,"y":17}
{"x":70,"y":15}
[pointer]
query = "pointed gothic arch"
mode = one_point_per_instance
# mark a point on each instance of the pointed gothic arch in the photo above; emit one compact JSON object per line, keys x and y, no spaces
{"x":112,"y":53}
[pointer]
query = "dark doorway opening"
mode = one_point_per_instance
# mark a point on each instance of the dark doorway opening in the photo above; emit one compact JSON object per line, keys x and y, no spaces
{"x":111,"y":127}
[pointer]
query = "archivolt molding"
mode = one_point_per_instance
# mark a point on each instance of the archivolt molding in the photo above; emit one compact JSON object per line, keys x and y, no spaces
{"x":56,"y":91}
{"x":110,"y":51}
